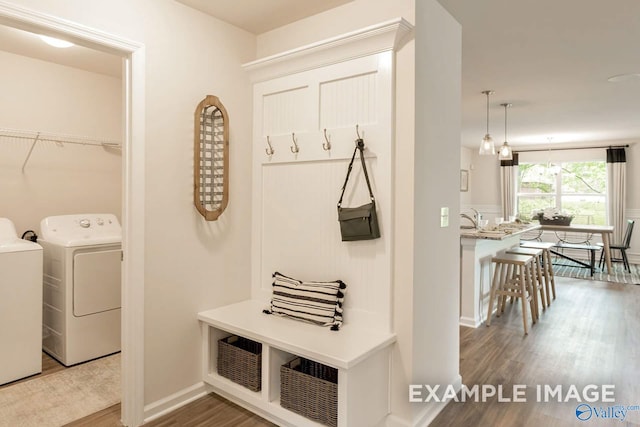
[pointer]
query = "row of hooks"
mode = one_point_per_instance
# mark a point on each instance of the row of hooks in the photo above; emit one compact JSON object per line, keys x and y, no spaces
{"x":295,"y":149}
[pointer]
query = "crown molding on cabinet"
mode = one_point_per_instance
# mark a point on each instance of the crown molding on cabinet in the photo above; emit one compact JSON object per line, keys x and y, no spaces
{"x":385,"y":36}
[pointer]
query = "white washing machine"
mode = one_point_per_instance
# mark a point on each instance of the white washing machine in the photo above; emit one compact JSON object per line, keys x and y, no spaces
{"x":20,"y":305}
{"x":81,"y":282}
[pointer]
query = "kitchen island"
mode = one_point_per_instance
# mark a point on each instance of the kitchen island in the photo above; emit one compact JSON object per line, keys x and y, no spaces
{"x":477,"y":247}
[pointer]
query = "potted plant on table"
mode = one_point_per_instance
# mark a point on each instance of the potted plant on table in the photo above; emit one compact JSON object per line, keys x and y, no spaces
{"x":552,"y":216}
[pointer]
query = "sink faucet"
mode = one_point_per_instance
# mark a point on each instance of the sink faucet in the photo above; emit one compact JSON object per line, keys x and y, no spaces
{"x":477,"y":216}
{"x":475,"y":225}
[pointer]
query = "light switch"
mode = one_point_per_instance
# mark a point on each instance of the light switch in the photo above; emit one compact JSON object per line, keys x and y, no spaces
{"x":444,"y":217}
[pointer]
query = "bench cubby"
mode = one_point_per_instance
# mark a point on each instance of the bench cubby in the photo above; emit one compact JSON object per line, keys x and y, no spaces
{"x":361,"y":356}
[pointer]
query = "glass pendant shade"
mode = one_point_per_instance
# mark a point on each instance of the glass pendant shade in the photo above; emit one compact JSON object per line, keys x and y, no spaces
{"x":505,"y":152}
{"x":487,"y":148}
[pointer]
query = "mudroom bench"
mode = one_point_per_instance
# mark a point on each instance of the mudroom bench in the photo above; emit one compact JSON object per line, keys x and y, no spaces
{"x":360,"y":355}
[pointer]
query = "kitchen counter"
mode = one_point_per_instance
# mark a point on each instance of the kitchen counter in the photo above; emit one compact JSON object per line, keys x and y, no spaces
{"x":477,"y":247}
{"x":498,"y":233}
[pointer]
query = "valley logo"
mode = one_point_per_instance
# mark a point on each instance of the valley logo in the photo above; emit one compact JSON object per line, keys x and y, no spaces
{"x":586,"y":412}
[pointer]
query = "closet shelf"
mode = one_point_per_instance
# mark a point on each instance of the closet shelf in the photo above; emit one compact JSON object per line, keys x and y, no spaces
{"x":58,"y":138}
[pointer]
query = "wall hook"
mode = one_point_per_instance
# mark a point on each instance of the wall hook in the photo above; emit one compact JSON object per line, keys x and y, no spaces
{"x":326,"y":146}
{"x":359,"y":141}
{"x":269,"y":150}
{"x":294,"y":148}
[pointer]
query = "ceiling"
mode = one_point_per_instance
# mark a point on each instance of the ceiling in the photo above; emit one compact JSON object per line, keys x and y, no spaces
{"x":28,"y":44}
{"x":550,"y":59}
{"x":259,"y":16}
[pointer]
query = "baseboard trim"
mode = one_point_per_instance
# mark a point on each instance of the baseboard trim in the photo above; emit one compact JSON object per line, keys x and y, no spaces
{"x":177,"y":400}
{"x":427,"y":414}
{"x":395,"y":421}
{"x":431,"y":411}
{"x":469,"y":322}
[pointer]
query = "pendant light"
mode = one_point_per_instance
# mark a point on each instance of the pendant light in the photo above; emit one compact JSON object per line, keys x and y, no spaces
{"x":486,"y":146}
{"x":505,"y":152}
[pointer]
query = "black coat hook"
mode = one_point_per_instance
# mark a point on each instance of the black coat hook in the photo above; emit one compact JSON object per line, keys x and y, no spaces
{"x":359,"y":141}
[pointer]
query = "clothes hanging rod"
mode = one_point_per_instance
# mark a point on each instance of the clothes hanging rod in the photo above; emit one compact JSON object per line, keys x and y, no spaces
{"x":575,"y":148}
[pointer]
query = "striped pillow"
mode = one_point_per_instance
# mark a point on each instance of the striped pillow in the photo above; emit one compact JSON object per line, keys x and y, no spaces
{"x":315,"y":302}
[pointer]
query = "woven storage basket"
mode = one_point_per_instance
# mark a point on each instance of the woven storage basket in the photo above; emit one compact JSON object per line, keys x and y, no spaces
{"x":310,"y":389}
{"x":555,"y":221}
{"x":240,"y":360}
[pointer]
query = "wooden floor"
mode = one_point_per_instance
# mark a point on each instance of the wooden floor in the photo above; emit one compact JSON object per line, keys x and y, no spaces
{"x":589,"y":335}
{"x":209,"y":411}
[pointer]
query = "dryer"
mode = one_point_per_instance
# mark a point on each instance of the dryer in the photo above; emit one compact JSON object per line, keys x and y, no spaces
{"x":20,"y":305}
{"x":81,"y":286}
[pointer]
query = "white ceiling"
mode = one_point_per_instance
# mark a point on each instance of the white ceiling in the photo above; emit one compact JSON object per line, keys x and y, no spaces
{"x":549,"y":58}
{"x":28,"y":44}
{"x":259,"y":16}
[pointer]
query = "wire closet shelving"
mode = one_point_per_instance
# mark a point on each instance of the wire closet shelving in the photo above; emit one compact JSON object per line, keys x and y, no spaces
{"x":58,"y":138}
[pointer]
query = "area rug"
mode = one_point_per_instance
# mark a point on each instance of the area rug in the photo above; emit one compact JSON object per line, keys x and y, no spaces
{"x":57,"y":399}
{"x":618,"y":275}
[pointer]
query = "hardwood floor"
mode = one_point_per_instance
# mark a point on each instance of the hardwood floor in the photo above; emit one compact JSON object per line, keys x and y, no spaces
{"x":589,"y":335}
{"x":209,"y":411}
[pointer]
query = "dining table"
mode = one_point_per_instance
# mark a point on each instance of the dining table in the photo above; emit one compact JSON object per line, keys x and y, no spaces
{"x":605,"y":232}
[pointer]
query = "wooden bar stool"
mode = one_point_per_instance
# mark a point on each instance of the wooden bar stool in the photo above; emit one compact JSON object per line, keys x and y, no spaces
{"x":537,"y":276}
{"x":512,"y":278}
{"x":547,"y":266}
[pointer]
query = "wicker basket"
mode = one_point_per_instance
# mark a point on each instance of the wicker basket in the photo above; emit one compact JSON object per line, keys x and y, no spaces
{"x":240,"y":360}
{"x":310,"y":389}
{"x":555,"y":221}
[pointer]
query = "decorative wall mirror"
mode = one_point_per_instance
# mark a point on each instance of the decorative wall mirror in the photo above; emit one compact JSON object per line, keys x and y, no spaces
{"x":211,"y":158}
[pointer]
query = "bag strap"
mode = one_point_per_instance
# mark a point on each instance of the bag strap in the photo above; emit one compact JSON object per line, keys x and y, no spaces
{"x":359,"y":147}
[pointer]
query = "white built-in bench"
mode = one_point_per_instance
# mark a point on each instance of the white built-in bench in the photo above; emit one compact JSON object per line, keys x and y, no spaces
{"x":362,"y":357}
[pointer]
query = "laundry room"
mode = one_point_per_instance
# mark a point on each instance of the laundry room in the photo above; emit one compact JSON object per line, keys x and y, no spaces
{"x":60,"y":166}
{"x":74,"y":110}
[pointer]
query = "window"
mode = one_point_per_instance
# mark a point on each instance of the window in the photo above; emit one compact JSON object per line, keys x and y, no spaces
{"x":578,"y":188}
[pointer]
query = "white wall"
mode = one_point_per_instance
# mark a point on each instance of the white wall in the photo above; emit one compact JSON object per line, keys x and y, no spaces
{"x":354,"y":15}
{"x":436,"y":299}
{"x":46,"y":97}
{"x":466,"y":163}
{"x":190,"y":264}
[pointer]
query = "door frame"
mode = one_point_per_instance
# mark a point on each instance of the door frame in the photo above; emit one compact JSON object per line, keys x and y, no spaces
{"x":133,"y":178}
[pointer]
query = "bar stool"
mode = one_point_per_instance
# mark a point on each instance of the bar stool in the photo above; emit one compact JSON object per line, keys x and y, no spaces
{"x":537,"y":280}
{"x":547,"y":266}
{"x":512,"y":278}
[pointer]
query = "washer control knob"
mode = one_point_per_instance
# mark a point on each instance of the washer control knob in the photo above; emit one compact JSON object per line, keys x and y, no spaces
{"x":100,"y":221}
{"x":85,"y":223}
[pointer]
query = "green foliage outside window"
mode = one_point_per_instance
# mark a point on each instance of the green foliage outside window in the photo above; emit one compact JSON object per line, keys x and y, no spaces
{"x":578,"y":188}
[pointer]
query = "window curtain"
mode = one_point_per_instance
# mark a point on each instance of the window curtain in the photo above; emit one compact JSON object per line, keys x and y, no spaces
{"x":508,"y":186}
{"x":616,"y":190}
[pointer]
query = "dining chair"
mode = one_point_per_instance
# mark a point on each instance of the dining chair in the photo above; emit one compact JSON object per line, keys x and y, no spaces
{"x":622,"y":247}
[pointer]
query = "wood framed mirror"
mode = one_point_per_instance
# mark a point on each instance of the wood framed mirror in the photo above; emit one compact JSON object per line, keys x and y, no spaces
{"x":211,"y":158}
